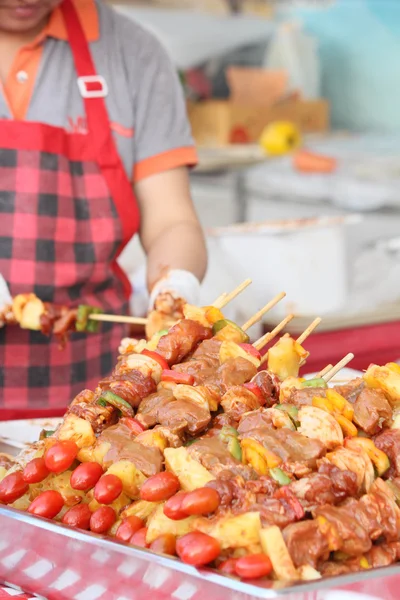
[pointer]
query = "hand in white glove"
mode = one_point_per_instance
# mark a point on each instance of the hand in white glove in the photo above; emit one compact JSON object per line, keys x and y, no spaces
{"x":5,"y":298}
{"x":168,"y":298}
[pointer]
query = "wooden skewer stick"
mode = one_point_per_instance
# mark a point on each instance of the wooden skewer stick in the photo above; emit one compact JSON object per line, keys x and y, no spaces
{"x":259,"y":315}
{"x":265,"y":339}
{"x":341,"y":364}
{"x":220,"y":299}
{"x":229,"y":297}
{"x":325,"y":371}
{"x":119,"y":319}
{"x":309,"y":330}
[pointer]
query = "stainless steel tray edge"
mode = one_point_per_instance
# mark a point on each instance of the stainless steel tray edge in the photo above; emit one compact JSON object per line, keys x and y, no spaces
{"x":39,"y":556}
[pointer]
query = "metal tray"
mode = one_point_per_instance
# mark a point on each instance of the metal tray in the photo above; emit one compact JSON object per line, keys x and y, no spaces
{"x":50,"y":560}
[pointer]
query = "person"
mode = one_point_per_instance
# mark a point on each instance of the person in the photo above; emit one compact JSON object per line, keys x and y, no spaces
{"x":95,"y":147}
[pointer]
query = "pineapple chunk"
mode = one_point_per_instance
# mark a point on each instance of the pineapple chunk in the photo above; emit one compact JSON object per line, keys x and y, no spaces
{"x":77,"y":430}
{"x":153,"y":438}
{"x":241,"y":531}
{"x":198,"y":395}
{"x":385,"y":379}
{"x":60,"y":483}
{"x":130,"y":476}
{"x":285,"y":357}
{"x":3,"y":473}
{"x":275,"y":547}
{"x":308,"y":573}
{"x":141,"y":509}
{"x":158,"y":524}
{"x":195,"y":313}
{"x":31,"y":313}
{"x":18,"y":304}
{"x":94,"y":454}
{"x":191,"y":474}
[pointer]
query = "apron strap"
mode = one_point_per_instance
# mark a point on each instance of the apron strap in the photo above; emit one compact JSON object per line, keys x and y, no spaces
{"x":100,"y":136}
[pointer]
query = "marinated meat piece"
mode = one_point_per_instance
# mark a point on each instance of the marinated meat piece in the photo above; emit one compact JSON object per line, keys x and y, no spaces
{"x":208,"y":352}
{"x":225,"y":489}
{"x":256,"y":419}
{"x":383,"y":555}
{"x":306,"y":543}
{"x":329,"y":486}
{"x":178,"y":415}
{"x":289,"y":445}
{"x":269,"y":386}
{"x":148,"y":409}
{"x":379,"y":513}
{"x":149,"y":460}
{"x":353,"y":538}
{"x":84,"y":406}
{"x":238,"y":400}
{"x":389,"y":442}
{"x":351,"y":390}
{"x":304,"y":397}
{"x":234,"y":372}
{"x":223,"y":420}
{"x":183,"y":415}
{"x":298,"y":469}
{"x":372,"y":411}
{"x":334,"y":569}
{"x":264,"y":485}
{"x":131,"y":385}
{"x":181,"y":339}
{"x":214,"y":455}
{"x":274,"y":511}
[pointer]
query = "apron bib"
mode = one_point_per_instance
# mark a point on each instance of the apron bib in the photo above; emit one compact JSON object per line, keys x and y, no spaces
{"x":67,"y":210}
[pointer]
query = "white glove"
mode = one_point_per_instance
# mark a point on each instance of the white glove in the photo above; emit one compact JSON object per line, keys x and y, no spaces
{"x":180,"y":284}
{"x":5,"y":296}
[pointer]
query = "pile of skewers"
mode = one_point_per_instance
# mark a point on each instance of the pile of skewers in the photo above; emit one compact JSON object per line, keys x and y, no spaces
{"x":198,"y":446}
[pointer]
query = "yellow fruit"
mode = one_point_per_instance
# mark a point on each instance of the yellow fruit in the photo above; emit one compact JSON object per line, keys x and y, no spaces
{"x":280,"y":138}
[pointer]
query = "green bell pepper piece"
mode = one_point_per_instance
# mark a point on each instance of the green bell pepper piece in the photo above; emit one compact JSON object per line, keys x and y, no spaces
{"x":227,"y":432}
{"x":237,"y":334}
{"x":93,"y":326}
{"x":279,"y":476}
{"x":82,"y":317}
{"x":162,"y":332}
{"x":291,"y":410}
{"x":46,"y":433}
{"x":318,"y":382}
{"x":235,"y":448}
{"x":117,"y":402}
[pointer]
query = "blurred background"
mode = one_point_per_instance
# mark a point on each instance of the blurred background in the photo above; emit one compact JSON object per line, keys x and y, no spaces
{"x":294,"y":108}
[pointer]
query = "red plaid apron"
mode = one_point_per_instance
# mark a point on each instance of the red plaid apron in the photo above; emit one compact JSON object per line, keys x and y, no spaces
{"x":67,"y":210}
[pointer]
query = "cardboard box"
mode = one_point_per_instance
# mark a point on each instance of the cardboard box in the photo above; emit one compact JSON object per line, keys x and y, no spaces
{"x":214,"y":121}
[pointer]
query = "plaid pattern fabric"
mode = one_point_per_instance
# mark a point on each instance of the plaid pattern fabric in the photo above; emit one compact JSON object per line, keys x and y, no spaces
{"x":59,"y":235}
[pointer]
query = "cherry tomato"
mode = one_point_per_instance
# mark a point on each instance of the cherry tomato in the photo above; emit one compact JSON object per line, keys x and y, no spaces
{"x":201,"y":502}
{"x":177,"y":377}
{"x":159,"y":487}
{"x":253,"y":566}
{"x":128,"y":528}
{"x":102,"y":519}
{"x":107,"y":489}
{"x":251,"y":350}
{"x":139,"y":538}
{"x":173,"y":507}
{"x":286,"y":495}
{"x":197,"y":549}
{"x":164,"y":544}
{"x":78,"y":516}
{"x":228,"y":567}
{"x":48,"y":504}
{"x":132,"y":424}
{"x":158,"y":358}
{"x":86,"y":476}
{"x":35,"y":471}
{"x":59,"y":458}
{"x":253,"y":387}
{"x":12,"y":487}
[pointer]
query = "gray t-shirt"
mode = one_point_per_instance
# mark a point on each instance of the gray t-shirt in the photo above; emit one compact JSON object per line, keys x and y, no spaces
{"x":145,"y":101}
